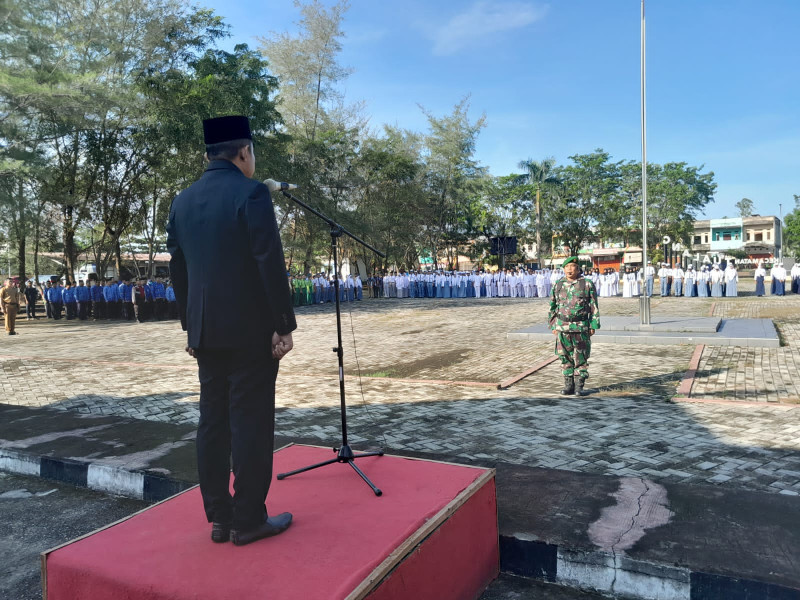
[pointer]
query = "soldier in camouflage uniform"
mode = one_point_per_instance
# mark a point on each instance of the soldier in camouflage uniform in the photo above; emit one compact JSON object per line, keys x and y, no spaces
{"x":574,"y":317}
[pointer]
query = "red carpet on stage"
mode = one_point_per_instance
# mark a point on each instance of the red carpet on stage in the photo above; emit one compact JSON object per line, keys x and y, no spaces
{"x":433,"y":534}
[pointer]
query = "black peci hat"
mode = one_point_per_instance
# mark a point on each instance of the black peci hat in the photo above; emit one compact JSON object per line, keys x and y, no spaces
{"x":225,"y":129}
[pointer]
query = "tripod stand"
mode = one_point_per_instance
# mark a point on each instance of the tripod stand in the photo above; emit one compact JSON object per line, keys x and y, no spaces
{"x":344,"y":454}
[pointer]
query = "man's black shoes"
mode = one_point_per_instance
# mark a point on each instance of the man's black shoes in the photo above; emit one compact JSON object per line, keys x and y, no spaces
{"x":271,"y":526}
{"x":220,"y":532}
{"x":579,"y":391}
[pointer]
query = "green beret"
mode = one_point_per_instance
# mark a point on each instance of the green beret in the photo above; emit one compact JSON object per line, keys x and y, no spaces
{"x":569,"y":260}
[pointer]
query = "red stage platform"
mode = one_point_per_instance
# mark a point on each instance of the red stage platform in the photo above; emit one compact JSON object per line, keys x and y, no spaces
{"x":433,"y":534}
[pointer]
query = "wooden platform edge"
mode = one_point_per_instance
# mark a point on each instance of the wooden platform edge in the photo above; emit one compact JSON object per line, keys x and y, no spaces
{"x":378,"y":574}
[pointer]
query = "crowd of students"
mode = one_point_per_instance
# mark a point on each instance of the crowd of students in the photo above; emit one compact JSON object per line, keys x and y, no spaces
{"x":717,"y":280}
{"x":511,"y":283}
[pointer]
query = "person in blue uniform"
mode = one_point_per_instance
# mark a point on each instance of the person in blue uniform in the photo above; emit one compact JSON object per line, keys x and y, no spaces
{"x":125,"y":291}
{"x":98,"y":300}
{"x":70,"y":301}
{"x":225,"y":223}
{"x":31,"y":296}
{"x":82,"y":299}
{"x":172,"y":302}
{"x":159,"y":299}
{"x":56,"y":296}
{"x":45,"y":291}
{"x":149,"y":305}
{"x":112,"y":300}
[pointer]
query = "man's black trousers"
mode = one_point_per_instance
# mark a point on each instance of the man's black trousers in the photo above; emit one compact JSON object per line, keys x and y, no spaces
{"x":237,"y":419}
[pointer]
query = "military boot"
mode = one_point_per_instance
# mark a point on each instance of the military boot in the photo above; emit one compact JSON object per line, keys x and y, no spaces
{"x":579,"y":391}
{"x":569,"y":386}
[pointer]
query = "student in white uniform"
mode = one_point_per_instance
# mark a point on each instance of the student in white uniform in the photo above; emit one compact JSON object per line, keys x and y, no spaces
{"x":702,"y":282}
{"x":677,"y":279}
{"x":663,"y":279}
{"x":779,"y":279}
{"x":731,"y":281}
{"x":759,"y":275}
{"x":689,"y":282}
{"x":717,"y":277}
{"x":628,"y":278}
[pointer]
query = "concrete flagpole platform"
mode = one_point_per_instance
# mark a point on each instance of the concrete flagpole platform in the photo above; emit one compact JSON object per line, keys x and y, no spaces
{"x":671,"y":330}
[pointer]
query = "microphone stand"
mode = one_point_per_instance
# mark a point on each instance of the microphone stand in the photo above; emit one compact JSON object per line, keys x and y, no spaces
{"x":344,"y":454}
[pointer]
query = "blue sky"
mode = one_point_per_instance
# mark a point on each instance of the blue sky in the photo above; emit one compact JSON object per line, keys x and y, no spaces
{"x":562,"y":78}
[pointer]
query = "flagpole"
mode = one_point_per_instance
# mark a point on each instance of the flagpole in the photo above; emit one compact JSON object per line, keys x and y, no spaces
{"x":644,"y":300}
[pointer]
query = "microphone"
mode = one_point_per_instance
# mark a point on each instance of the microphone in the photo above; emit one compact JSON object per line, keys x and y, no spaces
{"x":278,"y":186}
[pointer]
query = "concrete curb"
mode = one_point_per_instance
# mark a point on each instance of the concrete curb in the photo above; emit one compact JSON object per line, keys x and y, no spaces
{"x":628,"y":578}
{"x":140,"y":485}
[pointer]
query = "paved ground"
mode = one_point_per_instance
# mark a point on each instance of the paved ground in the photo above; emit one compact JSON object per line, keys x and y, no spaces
{"x":428,"y":371}
{"x":39,"y":515}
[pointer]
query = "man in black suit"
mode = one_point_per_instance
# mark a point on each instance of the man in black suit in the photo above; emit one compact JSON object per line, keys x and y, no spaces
{"x":224,"y":225}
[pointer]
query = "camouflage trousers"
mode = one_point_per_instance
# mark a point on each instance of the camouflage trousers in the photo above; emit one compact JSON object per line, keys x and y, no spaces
{"x":573,"y":348}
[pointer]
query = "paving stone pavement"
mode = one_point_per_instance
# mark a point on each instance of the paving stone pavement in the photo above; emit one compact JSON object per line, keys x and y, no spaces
{"x":406,"y":350}
{"x":754,"y":374}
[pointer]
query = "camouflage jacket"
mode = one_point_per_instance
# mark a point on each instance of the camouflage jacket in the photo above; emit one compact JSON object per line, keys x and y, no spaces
{"x":573,"y":305}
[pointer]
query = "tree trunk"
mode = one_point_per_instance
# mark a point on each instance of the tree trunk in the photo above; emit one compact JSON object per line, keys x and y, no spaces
{"x":21,"y":246}
{"x":538,"y":229}
{"x":70,"y":252}
{"x":22,"y":230}
{"x":307,"y":259}
{"x":118,"y":258}
{"x":36,"y":229}
{"x":151,"y":241}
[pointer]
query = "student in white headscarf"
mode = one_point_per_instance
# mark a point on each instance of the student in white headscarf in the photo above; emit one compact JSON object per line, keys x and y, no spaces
{"x":759,"y":275}
{"x":717,"y":277}
{"x":731,"y":281}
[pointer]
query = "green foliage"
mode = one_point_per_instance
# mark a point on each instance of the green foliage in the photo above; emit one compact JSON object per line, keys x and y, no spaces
{"x":745,"y":207}
{"x":588,"y":189}
{"x":451,"y":181}
{"x":101,"y":109}
{"x":540,"y":175}
{"x":676,"y":194}
{"x":791,"y":230}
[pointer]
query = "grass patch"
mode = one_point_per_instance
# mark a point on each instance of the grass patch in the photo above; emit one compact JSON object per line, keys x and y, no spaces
{"x":387,"y":373}
{"x":622,"y":390}
{"x":789,"y":313}
{"x":781,"y":339}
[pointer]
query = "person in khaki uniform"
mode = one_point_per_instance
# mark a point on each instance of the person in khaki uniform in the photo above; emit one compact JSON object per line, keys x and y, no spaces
{"x":9,"y":302}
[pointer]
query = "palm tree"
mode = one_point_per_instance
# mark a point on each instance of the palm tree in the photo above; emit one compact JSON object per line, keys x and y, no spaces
{"x":539,"y":174}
